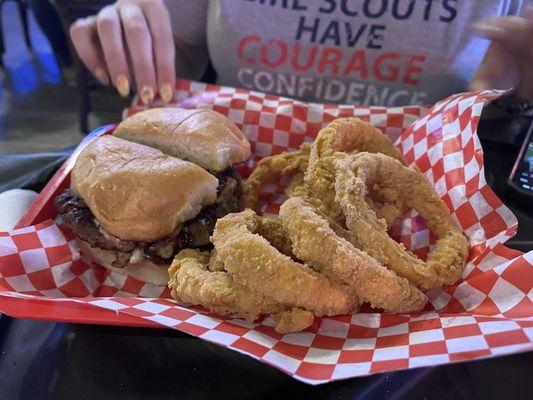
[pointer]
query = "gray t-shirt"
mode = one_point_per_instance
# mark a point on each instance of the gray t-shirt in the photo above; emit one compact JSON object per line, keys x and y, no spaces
{"x":372,"y":52}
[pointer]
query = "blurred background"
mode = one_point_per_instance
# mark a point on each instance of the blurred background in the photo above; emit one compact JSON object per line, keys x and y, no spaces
{"x":40,"y":100}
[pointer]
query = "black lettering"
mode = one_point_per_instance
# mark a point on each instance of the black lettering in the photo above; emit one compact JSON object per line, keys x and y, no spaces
{"x":452,"y":10}
{"x":375,"y":36}
{"x":332,"y":32}
{"x":351,"y":37}
{"x":297,"y":6}
{"x":332,"y":7}
{"x":302,"y":28}
{"x":285,"y":4}
{"x":407,"y":13}
{"x":375,"y":13}
{"x":427,"y":10}
{"x":346,"y":11}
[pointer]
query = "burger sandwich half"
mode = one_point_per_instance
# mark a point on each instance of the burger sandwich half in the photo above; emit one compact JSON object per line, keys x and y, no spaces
{"x":133,"y":204}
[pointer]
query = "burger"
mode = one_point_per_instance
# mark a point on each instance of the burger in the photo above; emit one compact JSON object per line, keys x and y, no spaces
{"x":154,"y":187}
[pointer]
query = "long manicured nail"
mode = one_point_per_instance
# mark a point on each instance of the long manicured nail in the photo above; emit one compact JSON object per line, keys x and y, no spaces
{"x":147,"y":94}
{"x":166,"y":92}
{"x":123,"y":85}
{"x":102,"y":76}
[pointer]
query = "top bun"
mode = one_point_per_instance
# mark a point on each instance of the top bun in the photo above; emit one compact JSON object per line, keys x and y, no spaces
{"x":203,"y":137}
{"x":137,"y":192}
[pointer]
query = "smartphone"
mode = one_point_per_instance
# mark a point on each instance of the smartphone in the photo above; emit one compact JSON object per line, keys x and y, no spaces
{"x":521,"y":178}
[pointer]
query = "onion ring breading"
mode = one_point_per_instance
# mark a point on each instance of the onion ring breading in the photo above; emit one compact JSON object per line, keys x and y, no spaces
{"x":355,"y":174}
{"x":214,"y":263}
{"x":297,"y":186}
{"x":272,"y":230}
{"x":255,"y":263}
{"x":340,"y":137}
{"x":315,"y":241}
{"x":270,"y":168}
{"x":191,"y":282}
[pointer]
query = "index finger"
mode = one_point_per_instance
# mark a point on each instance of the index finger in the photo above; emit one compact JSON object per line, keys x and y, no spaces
{"x":85,"y":41}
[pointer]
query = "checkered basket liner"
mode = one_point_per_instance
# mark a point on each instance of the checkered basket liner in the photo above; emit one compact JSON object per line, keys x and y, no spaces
{"x":488,"y":313}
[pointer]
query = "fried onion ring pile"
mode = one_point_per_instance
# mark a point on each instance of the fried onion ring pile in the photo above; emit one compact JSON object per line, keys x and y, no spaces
{"x":256,"y":278}
{"x":256,"y":264}
{"x":329,"y":249}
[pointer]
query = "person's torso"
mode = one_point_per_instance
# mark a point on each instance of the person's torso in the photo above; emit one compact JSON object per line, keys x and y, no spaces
{"x":387,"y":52}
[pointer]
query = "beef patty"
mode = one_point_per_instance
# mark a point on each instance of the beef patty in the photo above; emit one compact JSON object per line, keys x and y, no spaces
{"x":195,"y":233}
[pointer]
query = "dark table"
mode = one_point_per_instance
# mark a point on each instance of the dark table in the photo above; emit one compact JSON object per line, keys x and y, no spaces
{"x":42,"y":360}
{"x":45,"y":360}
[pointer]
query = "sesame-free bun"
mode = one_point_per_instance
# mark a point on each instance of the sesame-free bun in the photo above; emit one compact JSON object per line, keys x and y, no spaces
{"x":137,"y":192}
{"x":203,"y":137}
{"x":144,"y":270}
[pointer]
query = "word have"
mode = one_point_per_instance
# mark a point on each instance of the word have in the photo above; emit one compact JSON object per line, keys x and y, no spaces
{"x":337,"y":33}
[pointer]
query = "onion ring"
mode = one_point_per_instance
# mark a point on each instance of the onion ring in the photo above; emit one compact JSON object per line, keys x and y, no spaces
{"x":315,"y":241}
{"x":191,"y":282}
{"x":355,"y":174}
{"x":256,"y":264}
{"x":270,"y":168}
{"x":340,"y":137}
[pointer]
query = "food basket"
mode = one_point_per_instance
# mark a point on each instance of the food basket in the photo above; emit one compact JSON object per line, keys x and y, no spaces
{"x":488,"y":313}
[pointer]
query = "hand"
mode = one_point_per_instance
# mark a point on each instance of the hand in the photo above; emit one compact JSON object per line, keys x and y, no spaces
{"x":509,"y":59}
{"x":148,"y":43}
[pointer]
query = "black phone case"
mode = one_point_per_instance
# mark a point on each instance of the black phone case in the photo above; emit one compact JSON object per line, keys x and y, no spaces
{"x":525,"y":195}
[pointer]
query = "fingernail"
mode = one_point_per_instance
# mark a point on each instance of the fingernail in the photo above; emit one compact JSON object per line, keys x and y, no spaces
{"x":123,"y":85}
{"x":102,"y":76}
{"x":488,"y":28}
{"x":166,"y":92}
{"x":147,"y":94}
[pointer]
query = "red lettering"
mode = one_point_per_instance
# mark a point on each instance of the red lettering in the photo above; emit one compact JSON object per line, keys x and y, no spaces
{"x":389,"y":72}
{"x":240,"y":50}
{"x":330,"y":56}
{"x":282,"y":53}
{"x":296,"y":55}
{"x":357,"y":64}
{"x":413,"y":69}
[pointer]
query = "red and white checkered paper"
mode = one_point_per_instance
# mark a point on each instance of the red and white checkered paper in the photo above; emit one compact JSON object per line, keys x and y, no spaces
{"x":488,"y":313}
